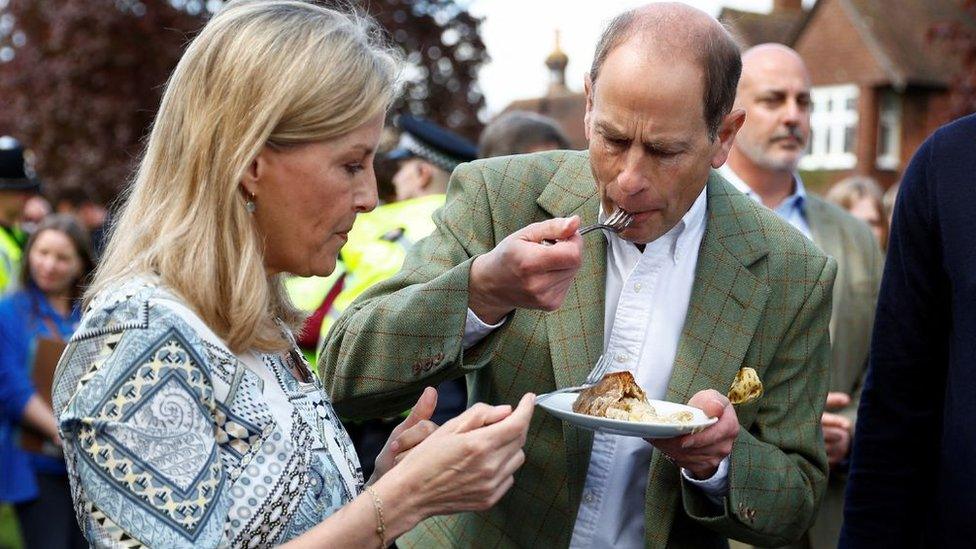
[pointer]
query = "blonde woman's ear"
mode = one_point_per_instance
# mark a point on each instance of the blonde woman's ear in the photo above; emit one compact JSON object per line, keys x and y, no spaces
{"x":257,"y":171}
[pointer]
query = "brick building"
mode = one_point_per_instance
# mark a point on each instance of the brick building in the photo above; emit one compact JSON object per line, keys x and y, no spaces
{"x":879,"y":83}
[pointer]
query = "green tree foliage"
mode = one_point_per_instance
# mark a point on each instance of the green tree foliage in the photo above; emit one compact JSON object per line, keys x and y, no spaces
{"x":80,"y":81}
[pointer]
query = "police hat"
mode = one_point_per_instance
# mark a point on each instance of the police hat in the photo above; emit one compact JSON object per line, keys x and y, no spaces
{"x":423,"y":139}
{"x":15,"y":173}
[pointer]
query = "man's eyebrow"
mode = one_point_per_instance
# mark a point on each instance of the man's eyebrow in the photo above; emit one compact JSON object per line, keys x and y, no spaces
{"x":669,"y":146}
{"x":612,"y":133}
{"x":609,"y":131}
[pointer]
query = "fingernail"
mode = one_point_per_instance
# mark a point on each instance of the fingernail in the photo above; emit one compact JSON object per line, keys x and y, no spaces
{"x":395,"y":445}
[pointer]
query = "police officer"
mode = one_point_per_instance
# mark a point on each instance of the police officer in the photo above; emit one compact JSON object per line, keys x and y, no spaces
{"x":17,"y":185}
{"x":426,"y":155}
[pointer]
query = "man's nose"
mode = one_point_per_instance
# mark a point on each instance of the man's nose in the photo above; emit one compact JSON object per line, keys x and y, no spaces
{"x":793,"y":113}
{"x":631,"y":179}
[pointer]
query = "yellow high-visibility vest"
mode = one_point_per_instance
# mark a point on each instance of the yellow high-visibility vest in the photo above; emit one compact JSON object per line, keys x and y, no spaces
{"x":377,"y":247}
{"x":11,"y":254}
{"x":308,"y":292}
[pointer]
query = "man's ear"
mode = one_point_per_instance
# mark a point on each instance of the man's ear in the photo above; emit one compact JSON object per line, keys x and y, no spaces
{"x":726,"y":136}
{"x":588,"y":91}
{"x":425,"y":173}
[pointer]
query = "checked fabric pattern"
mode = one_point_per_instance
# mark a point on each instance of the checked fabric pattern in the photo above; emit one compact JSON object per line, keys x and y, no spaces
{"x":761,"y":298}
{"x":173,"y":441}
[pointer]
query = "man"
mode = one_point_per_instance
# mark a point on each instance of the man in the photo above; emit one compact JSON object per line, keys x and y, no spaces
{"x":521,"y":132}
{"x":774,"y":91}
{"x":703,"y":283}
{"x":911,"y":478}
{"x":17,"y":185}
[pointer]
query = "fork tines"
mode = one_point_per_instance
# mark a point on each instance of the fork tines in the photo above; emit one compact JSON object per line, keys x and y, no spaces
{"x":619,"y":220}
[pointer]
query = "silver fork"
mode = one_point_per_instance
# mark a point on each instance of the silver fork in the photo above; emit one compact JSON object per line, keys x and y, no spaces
{"x":594,"y":377}
{"x":618,"y":221}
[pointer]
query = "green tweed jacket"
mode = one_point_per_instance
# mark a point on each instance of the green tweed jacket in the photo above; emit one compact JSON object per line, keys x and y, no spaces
{"x":761,"y":298}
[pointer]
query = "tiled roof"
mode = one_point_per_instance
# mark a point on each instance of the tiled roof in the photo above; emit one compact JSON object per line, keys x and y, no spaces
{"x":752,"y":28}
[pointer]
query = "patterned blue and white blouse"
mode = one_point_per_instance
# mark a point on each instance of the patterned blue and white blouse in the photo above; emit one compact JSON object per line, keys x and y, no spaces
{"x":171,"y":440}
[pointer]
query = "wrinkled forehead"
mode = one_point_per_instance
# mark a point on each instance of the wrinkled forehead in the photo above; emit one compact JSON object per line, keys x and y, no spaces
{"x":774,"y":69}
{"x":647,"y":88}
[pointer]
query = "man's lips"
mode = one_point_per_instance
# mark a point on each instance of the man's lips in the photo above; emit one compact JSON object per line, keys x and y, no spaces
{"x":642,"y":214}
{"x":788,"y":141}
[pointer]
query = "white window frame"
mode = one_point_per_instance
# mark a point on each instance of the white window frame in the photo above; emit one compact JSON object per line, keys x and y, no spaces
{"x":889,"y":113}
{"x":829,"y":126}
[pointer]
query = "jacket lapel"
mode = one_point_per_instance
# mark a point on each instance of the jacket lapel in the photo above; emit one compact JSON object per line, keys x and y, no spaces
{"x":726,"y":305}
{"x":575,"y":330}
{"x":827,"y":236}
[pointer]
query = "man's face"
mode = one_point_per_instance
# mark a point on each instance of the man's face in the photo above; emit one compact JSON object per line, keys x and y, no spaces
{"x":411,"y":178}
{"x":12,"y":205}
{"x":775,"y":93}
{"x":649,"y":146}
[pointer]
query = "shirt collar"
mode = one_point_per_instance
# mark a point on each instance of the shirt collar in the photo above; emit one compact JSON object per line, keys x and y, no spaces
{"x":675,"y":241}
{"x":798,"y":199}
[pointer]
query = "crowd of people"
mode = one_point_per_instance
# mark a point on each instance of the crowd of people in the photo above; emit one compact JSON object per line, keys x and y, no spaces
{"x":257,"y":352}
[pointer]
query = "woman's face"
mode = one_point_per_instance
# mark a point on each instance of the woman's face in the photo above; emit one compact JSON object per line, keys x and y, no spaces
{"x":868,"y":210}
{"x":54,"y":262}
{"x":307,"y":198}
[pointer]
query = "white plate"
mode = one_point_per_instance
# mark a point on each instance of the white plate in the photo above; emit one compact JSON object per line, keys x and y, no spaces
{"x":561,"y":406}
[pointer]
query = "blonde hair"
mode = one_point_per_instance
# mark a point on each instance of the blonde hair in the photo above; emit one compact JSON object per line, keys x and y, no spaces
{"x":265,"y":72}
{"x":849,"y":190}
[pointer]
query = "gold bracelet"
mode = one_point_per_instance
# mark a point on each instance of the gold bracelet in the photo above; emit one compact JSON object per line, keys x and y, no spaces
{"x":380,"y":526}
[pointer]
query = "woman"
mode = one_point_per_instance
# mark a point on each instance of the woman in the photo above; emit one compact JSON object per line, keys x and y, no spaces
{"x":33,"y":474}
{"x":189,"y":417}
{"x":861,"y":197}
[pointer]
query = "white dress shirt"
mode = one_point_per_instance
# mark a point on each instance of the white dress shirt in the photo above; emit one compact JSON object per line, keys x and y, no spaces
{"x":647,"y":297}
{"x":793,"y":209}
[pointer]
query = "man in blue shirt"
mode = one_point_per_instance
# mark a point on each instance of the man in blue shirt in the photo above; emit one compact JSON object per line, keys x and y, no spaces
{"x":774,"y":90}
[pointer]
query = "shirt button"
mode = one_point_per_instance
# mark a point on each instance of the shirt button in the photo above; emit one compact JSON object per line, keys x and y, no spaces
{"x":588,"y":497}
{"x":637,"y":287}
{"x":621,"y":358}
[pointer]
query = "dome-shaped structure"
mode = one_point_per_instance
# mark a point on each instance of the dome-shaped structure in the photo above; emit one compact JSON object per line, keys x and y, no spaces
{"x":557,"y":62}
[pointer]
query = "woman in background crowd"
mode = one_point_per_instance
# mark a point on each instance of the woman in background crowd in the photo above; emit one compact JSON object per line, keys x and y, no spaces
{"x":862,"y":197}
{"x":33,"y":475}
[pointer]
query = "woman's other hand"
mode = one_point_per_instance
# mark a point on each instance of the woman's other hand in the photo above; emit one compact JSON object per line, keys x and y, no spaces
{"x":409,"y":433}
{"x":465,"y":465}
{"x":468,"y":463}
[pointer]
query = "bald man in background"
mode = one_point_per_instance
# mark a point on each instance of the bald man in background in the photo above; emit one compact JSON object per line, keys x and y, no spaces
{"x":774,"y":91}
